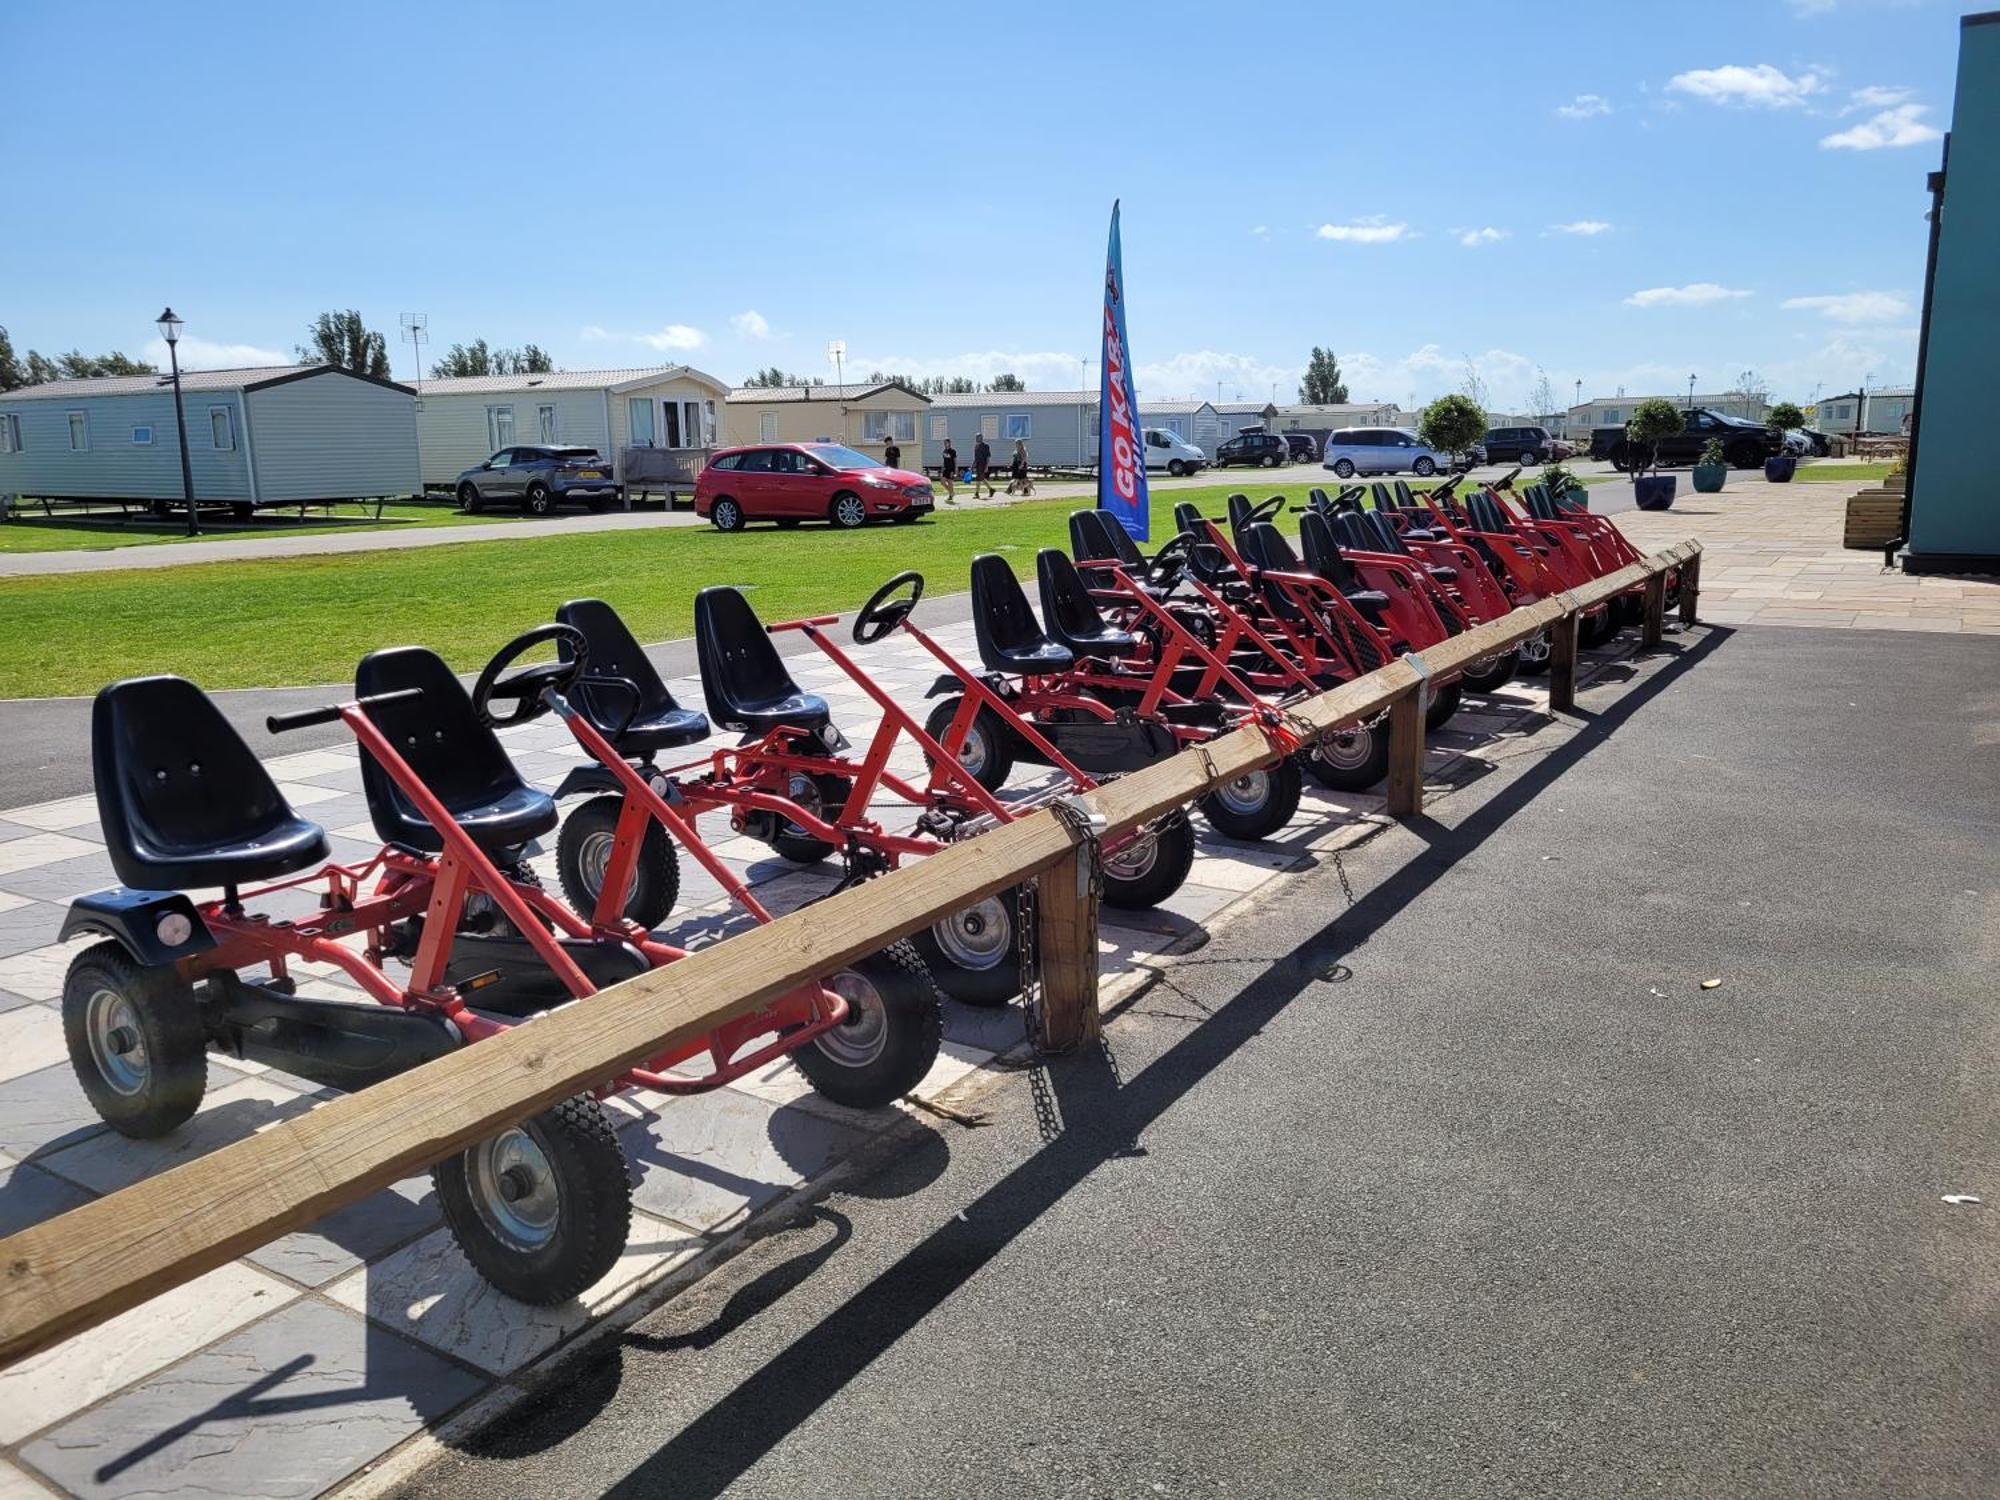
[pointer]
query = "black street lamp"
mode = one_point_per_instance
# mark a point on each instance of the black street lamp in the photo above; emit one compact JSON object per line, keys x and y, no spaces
{"x":170,"y":330}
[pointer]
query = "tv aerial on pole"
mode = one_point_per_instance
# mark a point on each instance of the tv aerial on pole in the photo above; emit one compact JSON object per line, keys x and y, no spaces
{"x":837,"y":352}
{"x":413,"y":330}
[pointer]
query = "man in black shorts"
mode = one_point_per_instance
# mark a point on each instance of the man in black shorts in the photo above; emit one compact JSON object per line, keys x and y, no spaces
{"x":982,"y":459}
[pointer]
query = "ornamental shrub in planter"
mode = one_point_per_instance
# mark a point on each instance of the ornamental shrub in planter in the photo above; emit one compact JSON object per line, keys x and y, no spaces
{"x":1713,"y":469}
{"x":1652,"y":424}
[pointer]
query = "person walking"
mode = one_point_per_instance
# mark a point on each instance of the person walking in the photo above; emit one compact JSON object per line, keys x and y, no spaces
{"x":950,"y":462}
{"x":982,"y":463}
{"x":1018,"y":482}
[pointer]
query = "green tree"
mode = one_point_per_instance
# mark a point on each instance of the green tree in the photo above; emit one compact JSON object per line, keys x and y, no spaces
{"x":12,"y":375}
{"x":1008,"y":383}
{"x":1322,"y":385}
{"x":1452,"y":424}
{"x":464,"y":359}
{"x":1785,"y":416}
{"x":775,"y":378}
{"x":341,"y":338}
{"x":76,"y":365}
{"x":1652,"y":423}
{"x":39,"y":368}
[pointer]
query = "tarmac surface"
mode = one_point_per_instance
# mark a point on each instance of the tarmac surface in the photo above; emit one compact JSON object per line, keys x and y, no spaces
{"x":1473,"y":1189}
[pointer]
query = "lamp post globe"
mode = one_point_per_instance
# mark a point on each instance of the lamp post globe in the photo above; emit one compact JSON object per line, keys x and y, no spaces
{"x":170,"y":330}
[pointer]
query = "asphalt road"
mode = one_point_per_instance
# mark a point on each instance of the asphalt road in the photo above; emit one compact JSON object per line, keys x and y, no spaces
{"x":1471,"y":1190}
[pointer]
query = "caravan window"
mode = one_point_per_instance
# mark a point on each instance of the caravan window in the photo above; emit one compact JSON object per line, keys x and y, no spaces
{"x":767,"y":427}
{"x":79,"y":432}
{"x":10,"y":433}
{"x":1017,"y":426}
{"x":221,"y":428}
{"x":641,"y":410}
{"x":499,"y":426}
{"x":545,"y":418}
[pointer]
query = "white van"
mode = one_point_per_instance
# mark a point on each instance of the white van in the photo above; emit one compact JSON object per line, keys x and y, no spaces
{"x":1167,"y":450}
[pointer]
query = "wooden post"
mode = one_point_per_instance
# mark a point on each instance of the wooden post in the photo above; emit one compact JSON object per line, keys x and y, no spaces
{"x":1690,"y":588}
{"x":1656,"y":608}
{"x":1066,"y":909}
{"x":1406,"y":754}
{"x":1562,"y":665}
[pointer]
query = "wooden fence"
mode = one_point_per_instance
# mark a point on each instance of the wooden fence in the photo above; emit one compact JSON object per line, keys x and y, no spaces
{"x":80,"y":1268}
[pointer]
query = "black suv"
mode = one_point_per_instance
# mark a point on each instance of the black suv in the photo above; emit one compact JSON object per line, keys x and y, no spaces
{"x":1304,"y":449}
{"x":1517,"y":445}
{"x":1264,"y":450}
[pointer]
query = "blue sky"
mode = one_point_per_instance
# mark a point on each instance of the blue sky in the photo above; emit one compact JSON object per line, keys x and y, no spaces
{"x":1626,"y":199}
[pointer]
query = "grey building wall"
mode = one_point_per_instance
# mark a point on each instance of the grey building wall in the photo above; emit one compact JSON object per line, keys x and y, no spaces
{"x":117,"y":466}
{"x":330,"y":437}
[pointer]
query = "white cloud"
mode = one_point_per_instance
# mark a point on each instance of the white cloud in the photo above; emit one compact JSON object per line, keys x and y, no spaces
{"x":1584,"y":106}
{"x":1261,"y":231}
{"x":1875,"y":96}
{"x":1581,"y":226}
{"x":1374,"y":230}
{"x":1871,"y":308}
{"x":1900,"y":126}
{"x":1694,"y":294}
{"x":1473,"y":238}
{"x":673,"y":336}
{"x":1759,"y":87}
{"x":750,"y":325}
{"x":1041,"y":370}
{"x":1428,"y":372}
{"x":1811,"y":7}
{"x":204,"y":354}
{"x":1244,"y":377}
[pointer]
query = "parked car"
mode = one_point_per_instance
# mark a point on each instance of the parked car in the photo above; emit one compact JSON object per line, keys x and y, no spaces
{"x":538,"y":478}
{"x":1519,"y":445}
{"x":1817,"y":442}
{"x":1305,"y":450}
{"x":1167,"y":449}
{"x":793,"y":482}
{"x":1560,"y":449}
{"x":1745,"y":444}
{"x":1472,"y":458}
{"x":1797,"y":443}
{"x":1264,"y":450}
{"x":1379,"y":450}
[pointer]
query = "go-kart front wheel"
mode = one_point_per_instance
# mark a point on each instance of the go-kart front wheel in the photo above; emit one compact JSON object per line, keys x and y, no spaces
{"x":975,"y":954}
{"x":1255,"y":804}
{"x":890,"y":1038}
{"x":1152,"y":867}
{"x":987,"y":755}
{"x":135,"y":1040}
{"x":583,"y":850}
{"x":543,"y":1209}
{"x":1352,"y":760}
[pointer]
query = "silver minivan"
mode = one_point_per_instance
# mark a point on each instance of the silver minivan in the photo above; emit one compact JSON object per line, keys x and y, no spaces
{"x":1380,"y":450}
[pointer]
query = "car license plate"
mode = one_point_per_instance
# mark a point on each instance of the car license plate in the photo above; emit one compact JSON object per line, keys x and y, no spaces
{"x":590,"y":474}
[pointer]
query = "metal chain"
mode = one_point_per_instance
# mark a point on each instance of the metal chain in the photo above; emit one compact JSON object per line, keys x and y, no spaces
{"x":1048,"y":1119}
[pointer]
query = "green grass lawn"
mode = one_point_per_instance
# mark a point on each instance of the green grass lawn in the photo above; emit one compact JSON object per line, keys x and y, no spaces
{"x":282,"y":621}
{"x":1835,"y":471}
{"x":31,"y":531}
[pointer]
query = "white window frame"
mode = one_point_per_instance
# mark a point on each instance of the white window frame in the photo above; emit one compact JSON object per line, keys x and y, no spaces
{"x":71,"y":419}
{"x":767,"y":427}
{"x":1017,"y":427}
{"x":633,"y":406}
{"x":708,"y":423}
{"x":495,"y":417}
{"x":940,"y":426}
{"x":545,"y":421}
{"x":142,"y":436}
{"x":228,"y":415}
{"x":989,"y":427}
{"x":10,"y":432}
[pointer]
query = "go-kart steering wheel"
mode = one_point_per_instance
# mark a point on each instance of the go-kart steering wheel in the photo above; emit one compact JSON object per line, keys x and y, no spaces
{"x":1165,"y":568}
{"x":1263,"y":510}
{"x":882,"y":614}
{"x":1349,"y":498}
{"x":527,"y":687}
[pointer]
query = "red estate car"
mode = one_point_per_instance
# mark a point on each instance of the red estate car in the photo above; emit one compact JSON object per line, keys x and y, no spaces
{"x":793,"y":482}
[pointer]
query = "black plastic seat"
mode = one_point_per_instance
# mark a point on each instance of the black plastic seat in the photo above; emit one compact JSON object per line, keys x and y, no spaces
{"x":1388,"y":539}
{"x":1239,"y":514}
{"x":1119,"y":540}
{"x":747,"y":685}
{"x":1010,"y":638}
{"x":1074,"y":620}
{"x":1189,"y":521}
{"x":182,"y":800}
{"x":1265,"y":549}
{"x":457,"y":757}
{"x":1323,"y":557}
{"x":658,"y":722}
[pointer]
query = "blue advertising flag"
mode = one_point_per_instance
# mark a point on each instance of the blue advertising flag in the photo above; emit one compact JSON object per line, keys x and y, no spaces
{"x":1121,"y":460}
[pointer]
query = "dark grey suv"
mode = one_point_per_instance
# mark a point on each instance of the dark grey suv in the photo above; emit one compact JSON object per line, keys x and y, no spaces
{"x":538,"y":478}
{"x":1519,"y":445}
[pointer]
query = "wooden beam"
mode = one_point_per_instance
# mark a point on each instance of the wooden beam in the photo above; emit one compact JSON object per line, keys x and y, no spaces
{"x":82,"y":1267}
{"x":1690,"y":589}
{"x":1562,"y":665}
{"x":1066,"y":908}
{"x":1656,"y":608}
{"x":1406,"y":756}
